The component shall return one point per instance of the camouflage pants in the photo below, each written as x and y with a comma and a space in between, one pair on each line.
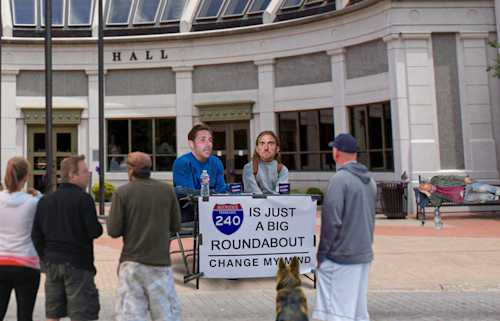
142, 288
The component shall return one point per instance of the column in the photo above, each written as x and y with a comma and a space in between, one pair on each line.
184, 105
340, 118
399, 104
188, 16
7, 19
8, 117
269, 15
265, 119
497, 15
93, 124
478, 110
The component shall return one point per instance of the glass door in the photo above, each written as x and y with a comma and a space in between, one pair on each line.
64, 144
231, 145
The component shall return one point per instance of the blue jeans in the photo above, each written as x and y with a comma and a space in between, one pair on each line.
477, 192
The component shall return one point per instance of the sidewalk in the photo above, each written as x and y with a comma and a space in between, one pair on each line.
419, 273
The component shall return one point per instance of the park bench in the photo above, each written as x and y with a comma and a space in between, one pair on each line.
423, 202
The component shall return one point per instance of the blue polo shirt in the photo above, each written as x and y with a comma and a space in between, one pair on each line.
187, 171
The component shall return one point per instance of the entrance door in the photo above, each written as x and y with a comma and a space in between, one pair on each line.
64, 144
232, 146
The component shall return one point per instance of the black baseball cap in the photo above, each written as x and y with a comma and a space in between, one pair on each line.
345, 143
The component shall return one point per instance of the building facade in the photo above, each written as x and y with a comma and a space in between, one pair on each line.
407, 78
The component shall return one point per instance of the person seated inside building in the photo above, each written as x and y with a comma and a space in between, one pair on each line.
265, 171
458, 189
187, 168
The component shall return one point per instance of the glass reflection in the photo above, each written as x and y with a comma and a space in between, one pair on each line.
146, 11
236, 7
173, 10
57, 12
210, 8
80, 12
259, 5
24, 12
119, 11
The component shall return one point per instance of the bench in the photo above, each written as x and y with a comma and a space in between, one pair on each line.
423, 202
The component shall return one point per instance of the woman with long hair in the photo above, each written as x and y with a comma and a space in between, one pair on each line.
19, 262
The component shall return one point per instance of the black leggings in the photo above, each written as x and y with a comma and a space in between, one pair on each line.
25, 282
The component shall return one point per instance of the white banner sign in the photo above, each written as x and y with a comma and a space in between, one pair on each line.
244, 237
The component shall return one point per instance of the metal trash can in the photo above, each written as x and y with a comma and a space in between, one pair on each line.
394, 199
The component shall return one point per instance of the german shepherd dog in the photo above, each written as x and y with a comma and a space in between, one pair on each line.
291, 302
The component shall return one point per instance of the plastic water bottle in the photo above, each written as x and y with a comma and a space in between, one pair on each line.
438, 223
205, 184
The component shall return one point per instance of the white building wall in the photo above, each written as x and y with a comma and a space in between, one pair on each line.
479, 143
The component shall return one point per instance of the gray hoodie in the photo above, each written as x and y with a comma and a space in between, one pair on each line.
348, 216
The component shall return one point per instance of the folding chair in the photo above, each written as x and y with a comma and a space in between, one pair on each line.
187, 230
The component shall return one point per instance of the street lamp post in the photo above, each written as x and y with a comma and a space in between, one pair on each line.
100, 58
48, 96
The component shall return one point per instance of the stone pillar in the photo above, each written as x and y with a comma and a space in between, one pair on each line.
93, 124
8, 118
7, 19
265, 119
400, 114
497, 17
188, 15
270, 13
184, 105
478, 110
340, 118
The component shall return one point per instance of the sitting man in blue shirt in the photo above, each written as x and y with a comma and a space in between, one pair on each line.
187, 168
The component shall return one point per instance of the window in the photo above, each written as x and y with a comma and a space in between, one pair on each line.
259, 6
236, 7
57, 12
79, 12
156, 137
304, 137
119, 12
210, 9
371, 126
24, 12
64, 12
173, 10
291, 4
147, 11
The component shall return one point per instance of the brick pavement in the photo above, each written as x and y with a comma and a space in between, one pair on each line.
419, 274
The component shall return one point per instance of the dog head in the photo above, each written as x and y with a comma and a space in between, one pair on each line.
288, 276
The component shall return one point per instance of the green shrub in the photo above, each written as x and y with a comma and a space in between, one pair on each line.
109, 189
316, 191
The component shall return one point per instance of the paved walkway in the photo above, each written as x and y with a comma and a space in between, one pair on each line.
419, 273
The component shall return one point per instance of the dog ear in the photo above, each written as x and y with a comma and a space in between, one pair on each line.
295, 265
281, 264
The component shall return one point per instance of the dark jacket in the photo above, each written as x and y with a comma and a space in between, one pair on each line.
65, 226
145, 212
348, 216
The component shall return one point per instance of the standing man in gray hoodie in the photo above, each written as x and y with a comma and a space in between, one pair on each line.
345, 248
